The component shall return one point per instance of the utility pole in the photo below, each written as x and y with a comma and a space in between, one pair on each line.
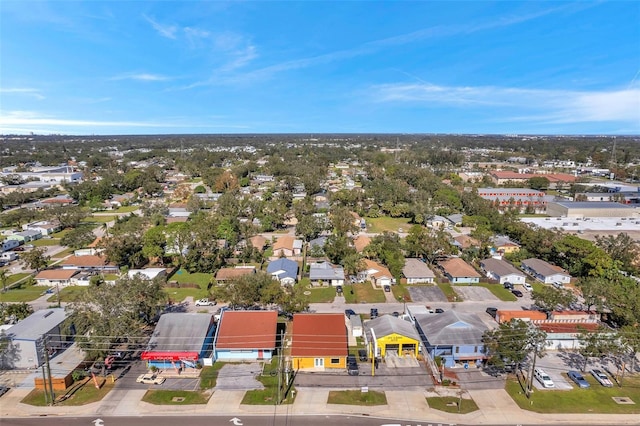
44, 385
280, 367
533, 366
46, 360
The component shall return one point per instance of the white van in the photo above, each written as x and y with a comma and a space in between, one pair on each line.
543, 378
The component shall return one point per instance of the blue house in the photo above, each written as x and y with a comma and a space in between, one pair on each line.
246, 336
284, 270
455, 337
458, 271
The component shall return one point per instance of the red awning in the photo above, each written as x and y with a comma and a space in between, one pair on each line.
169, 356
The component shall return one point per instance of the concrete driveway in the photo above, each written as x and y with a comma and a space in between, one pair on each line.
424, 294
239, 377
478, 294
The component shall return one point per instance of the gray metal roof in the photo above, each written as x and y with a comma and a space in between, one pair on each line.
180, 332
325, 271
388, 324
37, 324
452, 328
593, 205
543, 268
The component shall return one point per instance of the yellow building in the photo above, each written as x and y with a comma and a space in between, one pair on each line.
319, 342
387, 334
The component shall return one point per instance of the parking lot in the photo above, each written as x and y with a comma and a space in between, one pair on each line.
474, 293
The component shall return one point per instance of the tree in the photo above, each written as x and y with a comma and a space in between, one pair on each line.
540, 183
110, 314
342, 221
594, 344
623, 249
3, 279
511, 343
14, 311
78, 237
251, 289
154, 243
67, 216
35, 259
548, 298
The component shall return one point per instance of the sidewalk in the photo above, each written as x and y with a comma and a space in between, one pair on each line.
495, 408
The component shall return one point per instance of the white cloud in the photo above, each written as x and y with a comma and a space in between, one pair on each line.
541, 105
168, 31
24, 91
141, 77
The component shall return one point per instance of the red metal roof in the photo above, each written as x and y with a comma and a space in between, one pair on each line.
319, 335
247, 330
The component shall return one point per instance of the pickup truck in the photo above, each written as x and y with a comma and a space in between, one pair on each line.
205, 302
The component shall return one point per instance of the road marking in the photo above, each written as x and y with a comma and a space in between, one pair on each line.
236, 421
98, 422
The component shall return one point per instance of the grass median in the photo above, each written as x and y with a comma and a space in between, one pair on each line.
356, 397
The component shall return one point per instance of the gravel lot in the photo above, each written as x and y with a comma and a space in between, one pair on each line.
427, 294
239, 377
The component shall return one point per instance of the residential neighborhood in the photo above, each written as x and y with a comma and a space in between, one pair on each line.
345, 276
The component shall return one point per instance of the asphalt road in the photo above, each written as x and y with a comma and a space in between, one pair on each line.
216, 421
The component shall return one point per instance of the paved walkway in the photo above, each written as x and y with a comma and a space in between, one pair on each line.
410, 405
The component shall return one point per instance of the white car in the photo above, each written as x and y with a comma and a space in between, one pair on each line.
205, 302
527, 287
602, 378
150, 379
543, 378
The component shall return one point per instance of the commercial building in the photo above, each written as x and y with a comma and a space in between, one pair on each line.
585, 209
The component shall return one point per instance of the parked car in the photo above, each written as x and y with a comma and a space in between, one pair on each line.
349, 312
508, 285
527, 287
339, 289
439, 310
578, 379
3, 390
492, 311
602, 378
517, 293
558, 285
362, 355
205, 302
543, 378
150, 379
352, 366
387, 288
374, 313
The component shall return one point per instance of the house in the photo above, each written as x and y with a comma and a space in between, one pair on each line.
453, 336
284, 270
245, 336
354, 325
227, 274
457, 271
502, 244
25, 347
90, 263
319, 342
178, 210
10, 244
464, 242
325, 273
545, 272
389, 336
258, 242
60, 200
56, 277
45, 227
287, 246
438, 222
25, 236
377, 273
361, 242
148, 273
181, 340
318, 243
502, 271
416, 272
455, 219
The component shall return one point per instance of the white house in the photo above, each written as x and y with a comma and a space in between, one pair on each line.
502, 271
148, 273
545, 272
416, 272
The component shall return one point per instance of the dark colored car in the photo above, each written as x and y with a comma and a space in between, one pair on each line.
352, 366
339, 289
3, 390
516, 293
492, 311
362, 355
349, 312
508, 285
439, 310
387, 288
578, 379
374, 313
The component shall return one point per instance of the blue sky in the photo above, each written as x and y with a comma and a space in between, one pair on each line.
137, 67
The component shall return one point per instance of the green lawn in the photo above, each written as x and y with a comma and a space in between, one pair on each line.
63, 253
381, 224
596, 399
125, 209
363, 293
23, 293
178, 294
85, 394
321, 294
499, 291
99, 219
401, 293
448, 291
269, 395
356, 397
61, 233
68, 294
175, 397
449, 404
46, 242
